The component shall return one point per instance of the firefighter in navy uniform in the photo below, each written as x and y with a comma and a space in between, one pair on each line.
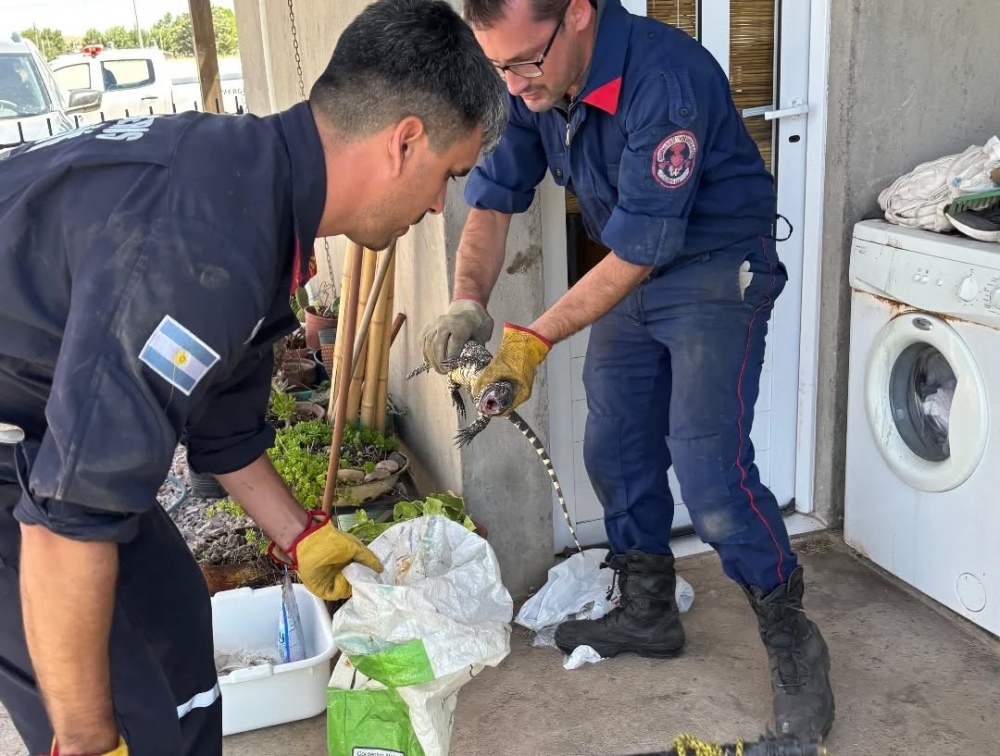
146, 269
636, 118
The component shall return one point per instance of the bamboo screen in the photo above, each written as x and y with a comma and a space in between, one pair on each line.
680, 13
751, 64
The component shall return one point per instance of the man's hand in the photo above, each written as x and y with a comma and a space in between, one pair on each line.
305, 541
67, 594
517, 358
320, 554
444, 337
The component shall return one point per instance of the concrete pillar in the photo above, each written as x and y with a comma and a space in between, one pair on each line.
499, 475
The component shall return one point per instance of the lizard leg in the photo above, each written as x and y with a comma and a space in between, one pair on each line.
456, 397
417, 371
466, 435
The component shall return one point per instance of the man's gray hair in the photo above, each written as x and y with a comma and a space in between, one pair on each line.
401, 58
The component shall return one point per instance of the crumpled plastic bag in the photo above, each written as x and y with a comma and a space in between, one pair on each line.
578, 588
432, 620
917, 199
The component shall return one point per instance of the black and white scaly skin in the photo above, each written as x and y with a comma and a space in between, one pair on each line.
493, 400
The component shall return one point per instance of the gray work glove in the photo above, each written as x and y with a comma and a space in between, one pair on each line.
444, 337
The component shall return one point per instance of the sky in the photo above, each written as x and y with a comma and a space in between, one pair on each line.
74, 17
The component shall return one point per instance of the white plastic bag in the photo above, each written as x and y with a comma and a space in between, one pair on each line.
578, 588
431, 621
918, 198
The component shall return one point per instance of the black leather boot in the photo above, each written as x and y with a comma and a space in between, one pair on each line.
646, 621
799, 661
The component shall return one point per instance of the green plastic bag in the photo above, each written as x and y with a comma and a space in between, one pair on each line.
369, 723
411, 636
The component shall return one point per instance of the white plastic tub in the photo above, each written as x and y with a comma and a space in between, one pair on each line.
267, 695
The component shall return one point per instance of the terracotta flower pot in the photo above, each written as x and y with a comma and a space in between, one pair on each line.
225, 577
299, 372
314, 324
310, 410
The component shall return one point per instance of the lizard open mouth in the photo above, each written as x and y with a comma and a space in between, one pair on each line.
490, 403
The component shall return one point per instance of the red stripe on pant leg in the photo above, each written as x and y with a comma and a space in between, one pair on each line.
739, 424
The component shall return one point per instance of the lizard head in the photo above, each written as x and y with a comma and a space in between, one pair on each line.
496, 398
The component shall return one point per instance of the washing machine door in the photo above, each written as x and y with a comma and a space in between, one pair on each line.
926, 402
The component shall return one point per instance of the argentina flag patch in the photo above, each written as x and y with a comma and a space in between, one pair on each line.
177, 355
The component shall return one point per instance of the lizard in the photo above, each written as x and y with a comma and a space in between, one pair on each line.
495, 399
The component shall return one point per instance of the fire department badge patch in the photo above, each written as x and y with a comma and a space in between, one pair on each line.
673, 160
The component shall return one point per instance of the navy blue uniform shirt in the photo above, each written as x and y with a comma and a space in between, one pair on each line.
652, 146
146, 267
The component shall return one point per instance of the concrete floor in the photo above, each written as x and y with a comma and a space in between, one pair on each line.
908, 679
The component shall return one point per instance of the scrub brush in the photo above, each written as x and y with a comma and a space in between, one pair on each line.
977, 215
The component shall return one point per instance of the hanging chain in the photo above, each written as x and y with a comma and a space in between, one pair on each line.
295, 45
302, 96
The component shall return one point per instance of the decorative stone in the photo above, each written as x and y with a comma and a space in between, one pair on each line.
398, 458
391, 466
377, 475
350, 476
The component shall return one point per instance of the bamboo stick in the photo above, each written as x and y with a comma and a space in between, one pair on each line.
380, 273
367, 279
397, 323
376, 339
389, 334
348, 324
338, 348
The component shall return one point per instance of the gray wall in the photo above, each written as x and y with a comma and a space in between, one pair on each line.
499, 475
910, 81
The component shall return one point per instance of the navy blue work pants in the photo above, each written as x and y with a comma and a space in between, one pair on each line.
672, 376
163, 679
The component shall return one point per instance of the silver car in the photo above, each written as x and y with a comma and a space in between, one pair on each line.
32, 106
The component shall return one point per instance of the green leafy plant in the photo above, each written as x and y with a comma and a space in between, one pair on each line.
281, 407
448, 505
300, 455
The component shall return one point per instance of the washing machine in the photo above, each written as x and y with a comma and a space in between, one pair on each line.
922, 496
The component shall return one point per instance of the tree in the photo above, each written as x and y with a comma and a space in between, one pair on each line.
50, 42
92, 37
224, 21
120, 38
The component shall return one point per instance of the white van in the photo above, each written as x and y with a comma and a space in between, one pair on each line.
32, 105
132, 82
140, 81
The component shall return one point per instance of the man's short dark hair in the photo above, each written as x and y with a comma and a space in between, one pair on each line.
483, 14
401, 58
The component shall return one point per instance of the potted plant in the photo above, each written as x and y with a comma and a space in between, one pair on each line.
321, 315
370, 465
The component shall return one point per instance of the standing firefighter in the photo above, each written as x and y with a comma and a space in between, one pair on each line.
636, 118
146, 267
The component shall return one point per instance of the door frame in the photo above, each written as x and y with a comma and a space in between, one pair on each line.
554, 266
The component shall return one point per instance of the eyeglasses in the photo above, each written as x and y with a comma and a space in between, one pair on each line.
532, 69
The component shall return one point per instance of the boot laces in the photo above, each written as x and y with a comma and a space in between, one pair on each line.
784, 637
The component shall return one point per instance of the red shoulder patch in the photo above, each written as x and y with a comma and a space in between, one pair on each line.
674, 158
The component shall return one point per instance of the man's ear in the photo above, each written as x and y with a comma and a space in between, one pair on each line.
402, 143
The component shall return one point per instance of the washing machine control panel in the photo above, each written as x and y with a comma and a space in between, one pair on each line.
931, 283
968, 288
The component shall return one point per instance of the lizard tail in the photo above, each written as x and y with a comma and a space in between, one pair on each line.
518, 422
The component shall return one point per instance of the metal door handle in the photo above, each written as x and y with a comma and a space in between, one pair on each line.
772, 114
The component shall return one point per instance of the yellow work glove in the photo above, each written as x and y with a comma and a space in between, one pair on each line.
517, 358
120, 750
320, 553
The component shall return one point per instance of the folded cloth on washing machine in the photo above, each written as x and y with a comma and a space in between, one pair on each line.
918, 198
